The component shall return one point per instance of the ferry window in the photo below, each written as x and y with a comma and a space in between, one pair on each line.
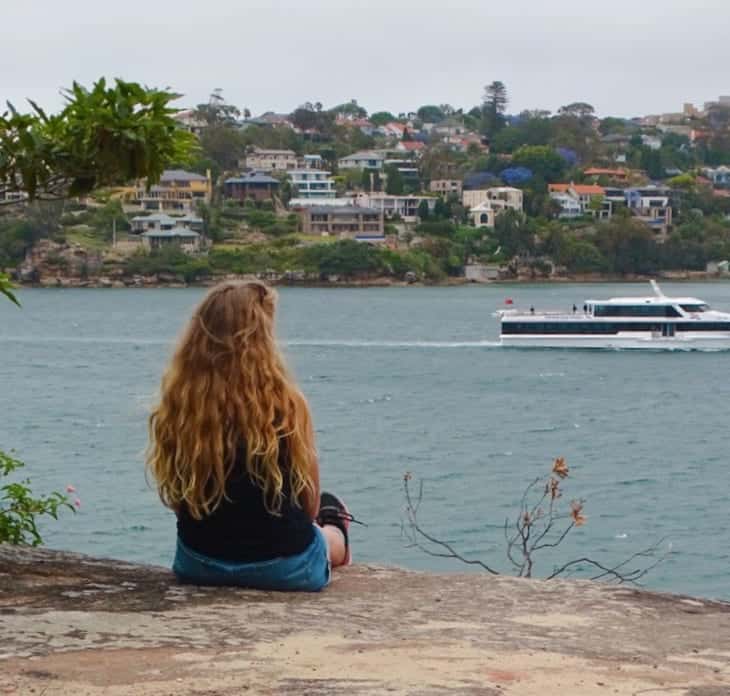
646, 310
694, 307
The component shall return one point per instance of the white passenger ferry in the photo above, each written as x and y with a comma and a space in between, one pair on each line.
657, 322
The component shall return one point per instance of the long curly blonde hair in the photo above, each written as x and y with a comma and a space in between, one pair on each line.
225, 388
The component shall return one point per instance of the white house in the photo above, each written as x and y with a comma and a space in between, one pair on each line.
570, 206
160, 221
406, 207
312, 183
367, 159
500, 198
483, 215
719, 176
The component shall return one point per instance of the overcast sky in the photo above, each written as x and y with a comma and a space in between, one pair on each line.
626, 57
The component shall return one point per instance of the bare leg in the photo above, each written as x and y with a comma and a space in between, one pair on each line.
335, 543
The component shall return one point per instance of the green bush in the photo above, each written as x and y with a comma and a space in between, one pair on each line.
169, 259
20, 510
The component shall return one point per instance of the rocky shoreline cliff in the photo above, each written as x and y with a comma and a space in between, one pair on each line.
72, 624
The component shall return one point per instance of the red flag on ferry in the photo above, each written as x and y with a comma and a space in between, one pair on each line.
508, 301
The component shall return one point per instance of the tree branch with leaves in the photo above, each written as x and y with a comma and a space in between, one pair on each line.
104, 136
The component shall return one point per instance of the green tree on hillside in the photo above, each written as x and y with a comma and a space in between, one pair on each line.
217, 112
542, 160
380, 118
430, 113
394, 182
494, 104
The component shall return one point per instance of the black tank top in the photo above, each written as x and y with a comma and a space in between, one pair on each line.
240, 529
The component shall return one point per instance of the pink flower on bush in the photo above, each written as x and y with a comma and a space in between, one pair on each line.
70, 489
77, 503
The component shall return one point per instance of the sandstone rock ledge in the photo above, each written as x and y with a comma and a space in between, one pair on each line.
71, 624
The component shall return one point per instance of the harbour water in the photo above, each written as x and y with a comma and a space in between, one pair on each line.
399, 379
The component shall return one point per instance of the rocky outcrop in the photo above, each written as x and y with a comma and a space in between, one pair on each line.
71, 624
48, 261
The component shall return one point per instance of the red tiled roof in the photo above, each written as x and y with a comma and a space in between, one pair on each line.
558, 188
580, 189
598, 171
588, 189
411, 145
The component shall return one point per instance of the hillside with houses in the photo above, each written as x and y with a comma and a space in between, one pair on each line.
440, 194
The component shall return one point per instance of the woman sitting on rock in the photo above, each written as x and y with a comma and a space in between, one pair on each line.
232, 451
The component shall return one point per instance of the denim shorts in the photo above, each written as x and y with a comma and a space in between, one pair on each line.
308, 571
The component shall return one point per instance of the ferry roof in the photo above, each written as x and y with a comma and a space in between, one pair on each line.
653, 300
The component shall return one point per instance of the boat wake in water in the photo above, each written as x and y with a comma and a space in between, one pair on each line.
389, 344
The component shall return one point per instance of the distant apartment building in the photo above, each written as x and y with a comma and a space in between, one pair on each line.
344, 222
263, 160
391, 206
312, 183
177, 191
446, 187
367, 159
251, 186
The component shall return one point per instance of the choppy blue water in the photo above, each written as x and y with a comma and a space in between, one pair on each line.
404, 379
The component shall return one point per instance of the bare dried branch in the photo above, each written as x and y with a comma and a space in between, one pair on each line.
534, 529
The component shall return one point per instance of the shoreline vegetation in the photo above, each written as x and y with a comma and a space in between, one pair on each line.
378, 282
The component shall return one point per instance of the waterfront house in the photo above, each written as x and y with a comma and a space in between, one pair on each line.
158, 222
651, 205
177, 191
570, 206
263, 160
181, 237
391, 206
572, 196
312, 183
344, 222
366, 159
254, 186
